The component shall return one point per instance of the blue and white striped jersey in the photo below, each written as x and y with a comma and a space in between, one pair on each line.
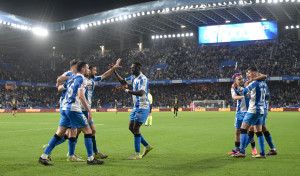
71, 101
63, 93
257, 91
89, 92
242, 104
139, 83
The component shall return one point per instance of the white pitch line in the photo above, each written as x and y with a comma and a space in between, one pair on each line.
99, 124
28, 130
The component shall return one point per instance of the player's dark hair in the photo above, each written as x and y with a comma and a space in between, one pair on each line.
253, 69
73, 62
92, 66
138, 64
80, 65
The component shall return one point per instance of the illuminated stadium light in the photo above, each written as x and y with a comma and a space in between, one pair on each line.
148, 13
153, 12
129, 16
177, 8
157, 37
230, 3
107, 21
186, 7
167, 10
143, 13
138, 14
219, 4
292, 0
227, 21
275, 1
18, 26
112, 20
196, 6
125, 17
153, 37
40, 31
169, 35
182, 8
224, 3
178, 35
99, 22
165, 36
120, 18
234, 2
78, 28
214, 4
134, 15
191, 34
158, 11
269, 1
117, 19
257, 1
94, 23
103, 22
187, 34
286, 27
182, 35
280, 0
263, 1
241, 2
292, 27
90, 25
263, 19
8, 23
182, 26
297, 26
173, 35
160, 36
173, 9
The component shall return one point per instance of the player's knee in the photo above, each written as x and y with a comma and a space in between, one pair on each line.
251, 134
266, 133
243, 131
130, 128
57, 136
258, 134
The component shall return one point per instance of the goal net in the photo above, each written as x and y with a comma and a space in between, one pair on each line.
209, 104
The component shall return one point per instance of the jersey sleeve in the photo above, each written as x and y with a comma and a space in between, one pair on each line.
233, 93
143, 84
129, 80
81, 83
251, 86
97, 79
67, 73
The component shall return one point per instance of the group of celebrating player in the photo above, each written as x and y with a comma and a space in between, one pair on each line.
252, 108
77, 87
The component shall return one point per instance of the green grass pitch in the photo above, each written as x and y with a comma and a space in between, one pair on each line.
196, 143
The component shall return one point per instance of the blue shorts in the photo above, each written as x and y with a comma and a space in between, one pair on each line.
86, 115
64, 120
253, 118
265, 116
139, 115
77, 119
239, 117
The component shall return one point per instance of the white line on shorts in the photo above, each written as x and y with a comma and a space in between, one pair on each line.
28, 130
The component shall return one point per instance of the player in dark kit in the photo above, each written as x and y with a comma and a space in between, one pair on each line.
175, 107
14, 104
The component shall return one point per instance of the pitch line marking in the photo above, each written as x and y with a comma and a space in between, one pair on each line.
28, 130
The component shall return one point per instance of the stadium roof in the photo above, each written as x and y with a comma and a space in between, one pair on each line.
134, 22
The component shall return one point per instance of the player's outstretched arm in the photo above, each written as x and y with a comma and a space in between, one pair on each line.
83, 101
61, 88
120, 79
132, 92
236, 97
260, 77
61, 79
112, 69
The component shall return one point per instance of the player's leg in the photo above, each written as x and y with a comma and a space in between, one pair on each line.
269, 140
58, 135
260, 137
79, 121
251, 140
237, 124
150, 119
95, 148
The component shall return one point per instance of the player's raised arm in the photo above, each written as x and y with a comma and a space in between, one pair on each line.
120, 79
112, 69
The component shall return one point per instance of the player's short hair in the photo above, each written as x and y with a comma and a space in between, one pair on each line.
92, 66
80, 65
253, 69
138, 64
236, 75
73, 62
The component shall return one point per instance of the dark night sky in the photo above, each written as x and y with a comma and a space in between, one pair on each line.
60, 10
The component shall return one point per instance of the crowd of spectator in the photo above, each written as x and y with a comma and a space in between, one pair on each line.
283, 94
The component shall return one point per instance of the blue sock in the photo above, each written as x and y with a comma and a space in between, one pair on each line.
72, 144
95, 149
244, 137
88, 144
143, 141
261, 142
269, 139
137, 143
51, 144
62, 140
